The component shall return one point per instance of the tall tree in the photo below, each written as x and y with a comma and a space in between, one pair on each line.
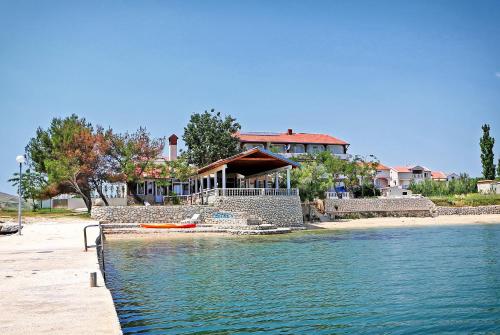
210, 137
132, 155
67, 152
498, 168
487, 159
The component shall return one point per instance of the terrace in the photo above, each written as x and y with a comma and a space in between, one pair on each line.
254, 172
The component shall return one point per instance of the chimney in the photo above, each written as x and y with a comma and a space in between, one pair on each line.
172, 147
290, 131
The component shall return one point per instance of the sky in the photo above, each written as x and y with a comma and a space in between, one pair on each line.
408, 81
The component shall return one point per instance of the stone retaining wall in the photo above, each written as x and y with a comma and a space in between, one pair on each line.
494, 209
282, 211
381, 207
149, 214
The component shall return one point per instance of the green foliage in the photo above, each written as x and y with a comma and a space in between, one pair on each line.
210, 137
32, 185
487, 159
312, 180
498, 168
133, 154
66, 152
462, 185
473, 199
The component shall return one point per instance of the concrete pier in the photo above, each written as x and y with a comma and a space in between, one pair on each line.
44, 282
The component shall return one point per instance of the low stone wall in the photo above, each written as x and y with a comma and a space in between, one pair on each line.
150, 214
282, 211
381, 207
479, 210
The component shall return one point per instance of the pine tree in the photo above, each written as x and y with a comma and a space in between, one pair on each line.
486, 143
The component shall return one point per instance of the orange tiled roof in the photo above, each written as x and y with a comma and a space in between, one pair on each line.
290, 138
438, 175
401, 169
382, 167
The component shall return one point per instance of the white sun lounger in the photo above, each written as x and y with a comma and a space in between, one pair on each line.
194, 219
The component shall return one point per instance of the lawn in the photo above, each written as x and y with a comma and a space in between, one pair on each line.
45, 212
472, 199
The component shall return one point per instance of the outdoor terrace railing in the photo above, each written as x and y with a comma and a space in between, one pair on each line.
246, 192
337, 195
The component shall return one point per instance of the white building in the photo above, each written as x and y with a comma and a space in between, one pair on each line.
488, 186
402, 176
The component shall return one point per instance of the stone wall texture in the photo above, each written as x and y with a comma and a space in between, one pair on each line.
149, 214
494, 209
381, 207
282, 211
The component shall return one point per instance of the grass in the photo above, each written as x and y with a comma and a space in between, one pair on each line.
472, 199
45, 212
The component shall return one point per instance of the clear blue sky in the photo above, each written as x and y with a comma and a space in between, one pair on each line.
408, 81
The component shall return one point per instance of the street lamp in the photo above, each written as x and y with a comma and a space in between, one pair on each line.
20, 159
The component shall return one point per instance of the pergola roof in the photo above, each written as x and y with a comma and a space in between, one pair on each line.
250, 162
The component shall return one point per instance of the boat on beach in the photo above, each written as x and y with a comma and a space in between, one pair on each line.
169, 225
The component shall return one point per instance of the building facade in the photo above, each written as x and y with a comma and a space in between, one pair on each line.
292, 144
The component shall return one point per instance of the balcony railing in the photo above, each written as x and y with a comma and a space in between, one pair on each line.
337, 195
245, 192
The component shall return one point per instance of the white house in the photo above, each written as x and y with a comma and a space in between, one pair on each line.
488, 186
402, 176
382, 177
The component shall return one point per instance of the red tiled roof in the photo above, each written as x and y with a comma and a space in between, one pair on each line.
438, 175
381, 166
287, 138
401, 169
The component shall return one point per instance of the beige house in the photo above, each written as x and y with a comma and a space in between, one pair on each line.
291, 144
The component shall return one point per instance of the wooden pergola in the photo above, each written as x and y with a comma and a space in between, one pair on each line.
248, 169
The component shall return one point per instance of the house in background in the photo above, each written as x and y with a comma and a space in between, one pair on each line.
452, 176
488, 186
155, 185
292, 144
439, 176
382, 177
402, 176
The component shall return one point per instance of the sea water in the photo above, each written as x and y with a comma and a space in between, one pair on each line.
393, 280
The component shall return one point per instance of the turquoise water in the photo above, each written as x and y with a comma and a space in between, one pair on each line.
394, 281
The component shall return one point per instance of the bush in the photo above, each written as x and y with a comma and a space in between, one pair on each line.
462, 185
473, 199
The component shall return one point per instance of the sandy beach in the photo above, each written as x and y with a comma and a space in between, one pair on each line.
394, 222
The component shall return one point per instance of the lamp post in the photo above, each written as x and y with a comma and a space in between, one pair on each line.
20, 159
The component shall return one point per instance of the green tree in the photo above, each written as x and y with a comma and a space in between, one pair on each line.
312, 180
67, 152
498, 168
132, 155
209, 137
487, 159
33, 185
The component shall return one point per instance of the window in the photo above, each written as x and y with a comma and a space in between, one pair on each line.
140, 188
150, 187
278, 147
336, 149
315, 148
297, 148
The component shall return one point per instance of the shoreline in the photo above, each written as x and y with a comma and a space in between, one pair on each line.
401, 222
367, 223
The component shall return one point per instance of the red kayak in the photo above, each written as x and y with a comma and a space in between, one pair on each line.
169, 225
